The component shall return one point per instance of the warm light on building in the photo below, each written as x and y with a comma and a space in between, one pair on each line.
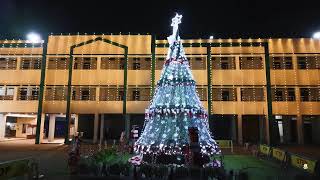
233, 86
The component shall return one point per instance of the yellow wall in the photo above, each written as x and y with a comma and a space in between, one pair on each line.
137, 44
140, 46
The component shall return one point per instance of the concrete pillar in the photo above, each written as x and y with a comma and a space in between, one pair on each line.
97, 93
3, 120
95, 127
267, 127
52, 125
18, 62
300, 129
43, 116
300, 134
234, 128
76, 124
266, 122
239, 111
102, 129
15, 93
262, 133
240, 137
99, 62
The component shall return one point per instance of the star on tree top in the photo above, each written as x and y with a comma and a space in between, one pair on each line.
176, 20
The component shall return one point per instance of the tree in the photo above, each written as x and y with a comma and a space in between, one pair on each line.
175, 107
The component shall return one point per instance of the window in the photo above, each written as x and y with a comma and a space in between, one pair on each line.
283, 94
223, 62
34, 93
159, 63
281, 62
251, 62
84, 93
24, 128
308, 62
57, 93
120, 95
310, 94
252, 94
58, 63
224, 94
110, 63
74, 94
122, 63
138, 63
28, 93
202, 92
30, 63
25, 64
8, 63
136, 66
85, 63
136, 95
278, 95
6, 93
197, 63
23, 94
110, 93
291, 94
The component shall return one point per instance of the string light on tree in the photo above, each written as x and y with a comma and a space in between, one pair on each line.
175, 107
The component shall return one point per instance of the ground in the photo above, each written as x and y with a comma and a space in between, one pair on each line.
53, 160
259, 168
51, 157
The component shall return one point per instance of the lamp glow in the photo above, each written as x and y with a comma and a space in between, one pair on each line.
33, 38
316, 35
211, 37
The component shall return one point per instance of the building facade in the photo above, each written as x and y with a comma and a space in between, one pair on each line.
255, 90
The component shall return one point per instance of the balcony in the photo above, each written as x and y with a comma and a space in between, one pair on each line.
20, 76
238, 77
19, 106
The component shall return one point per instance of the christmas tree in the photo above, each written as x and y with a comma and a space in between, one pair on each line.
175, 107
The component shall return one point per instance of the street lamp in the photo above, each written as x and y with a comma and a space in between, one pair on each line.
211, 37
316, 35
33, 37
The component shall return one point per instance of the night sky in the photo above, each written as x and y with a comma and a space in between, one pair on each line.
223, 19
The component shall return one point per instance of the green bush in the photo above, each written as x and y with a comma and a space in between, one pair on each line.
110, 157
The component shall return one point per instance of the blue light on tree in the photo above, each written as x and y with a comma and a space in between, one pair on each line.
175, 107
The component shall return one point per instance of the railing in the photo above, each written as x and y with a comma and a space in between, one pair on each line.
225, 144
287, 158
7, 97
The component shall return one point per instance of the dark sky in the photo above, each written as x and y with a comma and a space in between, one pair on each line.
223, 18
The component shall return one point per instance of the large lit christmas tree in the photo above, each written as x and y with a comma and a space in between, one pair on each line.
175, 107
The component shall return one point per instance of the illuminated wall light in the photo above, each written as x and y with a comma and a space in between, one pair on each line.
33, 37
316, 35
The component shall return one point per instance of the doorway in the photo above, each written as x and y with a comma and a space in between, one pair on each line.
251, 128
224, 126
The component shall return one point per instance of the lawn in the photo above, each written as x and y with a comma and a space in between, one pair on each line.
258, 168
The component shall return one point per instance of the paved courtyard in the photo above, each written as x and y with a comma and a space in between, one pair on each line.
52, 158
